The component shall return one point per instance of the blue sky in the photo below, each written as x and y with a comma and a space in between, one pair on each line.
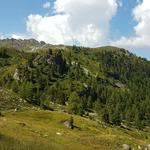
123, 22
25, 18
13, 14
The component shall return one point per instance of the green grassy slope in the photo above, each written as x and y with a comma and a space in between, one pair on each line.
35, 129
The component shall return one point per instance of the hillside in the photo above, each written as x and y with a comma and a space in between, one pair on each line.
106, 85
9, 100
35, 129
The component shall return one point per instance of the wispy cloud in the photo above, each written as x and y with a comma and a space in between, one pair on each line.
47, 5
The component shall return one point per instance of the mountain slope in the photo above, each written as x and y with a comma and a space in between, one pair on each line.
108, 87
108, 80
36, 129
9, 100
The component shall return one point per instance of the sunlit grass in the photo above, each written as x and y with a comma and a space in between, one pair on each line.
37, 130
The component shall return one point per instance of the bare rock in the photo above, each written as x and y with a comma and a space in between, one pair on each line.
126, 147
147, 147
139, 147
68, 123
16, 75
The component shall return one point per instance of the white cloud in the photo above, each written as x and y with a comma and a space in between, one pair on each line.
141, 14
1, 37
75, 21
47, 5
19, 36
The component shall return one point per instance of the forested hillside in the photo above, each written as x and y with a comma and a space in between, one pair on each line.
110, 81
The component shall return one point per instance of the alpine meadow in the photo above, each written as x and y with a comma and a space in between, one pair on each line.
77, 78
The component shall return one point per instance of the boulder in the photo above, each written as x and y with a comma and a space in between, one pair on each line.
68, 123
45, 107
17, 109
147, 147
16, 75
139, 147
126, 147
58, 133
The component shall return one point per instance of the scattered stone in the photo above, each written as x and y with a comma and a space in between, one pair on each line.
126, 147
24, 101
17, 109
45, 107
58, 133
147, 147
16, 75
33, 108
139, 147
45, 135
66, 103
120, 85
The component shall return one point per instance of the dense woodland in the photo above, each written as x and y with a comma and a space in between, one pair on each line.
108, 80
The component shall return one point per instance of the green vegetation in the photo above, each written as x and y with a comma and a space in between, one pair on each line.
108, 85
109, 80
36, 129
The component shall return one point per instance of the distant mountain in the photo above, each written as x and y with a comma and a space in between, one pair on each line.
28, 45
109, 80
